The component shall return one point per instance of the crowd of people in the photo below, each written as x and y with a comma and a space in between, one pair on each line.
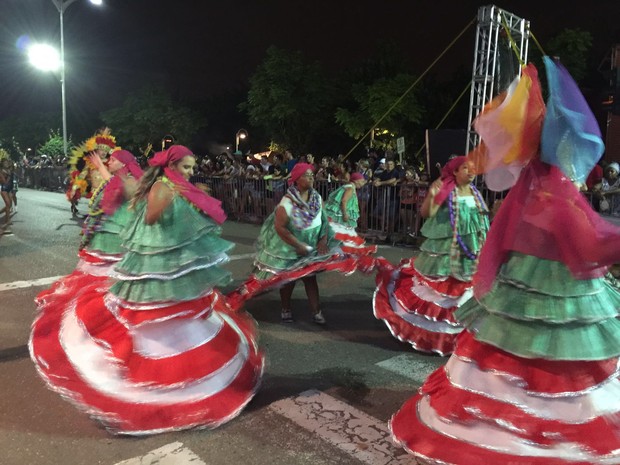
142, 338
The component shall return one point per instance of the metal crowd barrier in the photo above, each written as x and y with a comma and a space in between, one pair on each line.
45, 178
382, 215
385, 215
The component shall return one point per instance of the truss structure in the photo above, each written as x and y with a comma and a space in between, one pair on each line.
495, 61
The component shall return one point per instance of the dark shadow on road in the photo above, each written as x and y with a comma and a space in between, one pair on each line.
14, 353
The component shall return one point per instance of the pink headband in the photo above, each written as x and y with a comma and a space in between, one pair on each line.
298, 170
356, 176
448, 179
170, 155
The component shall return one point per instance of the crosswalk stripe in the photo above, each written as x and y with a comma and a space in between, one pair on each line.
170, 454
411, 367
354, 432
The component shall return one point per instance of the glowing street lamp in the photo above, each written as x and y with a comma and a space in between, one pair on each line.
241, 134
44, 57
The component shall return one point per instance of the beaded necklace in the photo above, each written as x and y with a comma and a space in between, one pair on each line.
303, 213
453, 206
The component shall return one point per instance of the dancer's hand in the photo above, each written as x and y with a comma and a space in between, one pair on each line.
303, 249
321, 247
435, 187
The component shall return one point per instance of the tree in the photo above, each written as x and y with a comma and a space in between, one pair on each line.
147, 115
572, 46
289, 99
54, 147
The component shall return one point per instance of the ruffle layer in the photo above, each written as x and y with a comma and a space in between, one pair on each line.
179, 225
428, 325
188, 286
536, 374
546, 276
209, 351
266, 280
489, 406
470, 223
86, 372
349, 241
521, 304
437, 265
567, 341
437, 441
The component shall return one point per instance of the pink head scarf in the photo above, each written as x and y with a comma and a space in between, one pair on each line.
298, 171
356, 176
448, 178
195, 196
113, 195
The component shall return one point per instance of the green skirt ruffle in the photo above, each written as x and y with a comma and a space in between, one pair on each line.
171, 288
108, 239
536, 308
156, 267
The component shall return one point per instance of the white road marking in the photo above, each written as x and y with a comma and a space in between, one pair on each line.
170, 454
411, 367
354, 432
31, 283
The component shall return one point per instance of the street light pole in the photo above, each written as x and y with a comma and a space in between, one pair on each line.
61, 6
241, 134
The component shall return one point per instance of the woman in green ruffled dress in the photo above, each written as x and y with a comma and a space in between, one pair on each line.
161, 350
293, 239
418, 299
343, 211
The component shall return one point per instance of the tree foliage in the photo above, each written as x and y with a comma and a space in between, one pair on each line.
572, 46
289, 99
54, 146
147, 115
379, 102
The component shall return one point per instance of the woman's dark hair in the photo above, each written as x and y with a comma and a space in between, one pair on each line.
146, 182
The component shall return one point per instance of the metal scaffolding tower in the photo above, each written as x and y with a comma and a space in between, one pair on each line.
495, 61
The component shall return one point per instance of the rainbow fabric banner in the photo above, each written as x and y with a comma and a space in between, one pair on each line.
571, 137
510, 127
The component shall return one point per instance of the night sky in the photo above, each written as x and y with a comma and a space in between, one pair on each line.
203, 48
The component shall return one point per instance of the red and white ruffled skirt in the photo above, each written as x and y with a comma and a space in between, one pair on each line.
418, 309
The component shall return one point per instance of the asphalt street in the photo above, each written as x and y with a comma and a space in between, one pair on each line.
326, 397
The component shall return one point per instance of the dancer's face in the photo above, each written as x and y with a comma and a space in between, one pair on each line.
465, 174
185, 166
306, 180
114, 165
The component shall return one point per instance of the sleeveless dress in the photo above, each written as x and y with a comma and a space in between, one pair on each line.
417, 300
161, 350
344, 231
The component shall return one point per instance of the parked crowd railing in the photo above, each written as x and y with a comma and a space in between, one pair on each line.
387, 213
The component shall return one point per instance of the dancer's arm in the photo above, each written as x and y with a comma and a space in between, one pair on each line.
280, 223
429, 207
97, 163
160, 196
343, 203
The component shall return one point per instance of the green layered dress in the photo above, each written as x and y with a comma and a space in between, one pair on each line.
175, 259
334, 209
439, 254
537, 309
274, 256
